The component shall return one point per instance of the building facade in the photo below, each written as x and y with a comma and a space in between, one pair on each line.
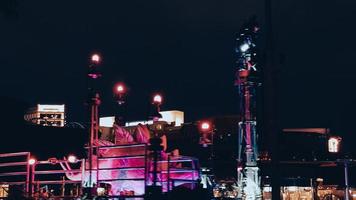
46, 115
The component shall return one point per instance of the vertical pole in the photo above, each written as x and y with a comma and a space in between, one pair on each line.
28, 172
146, 175
96, 135
32, 180
155, 152
155, 159
168, 173
29, 194
346, 174
94, 102
91, 140
212, 151
83, 167
38, 187
63, 186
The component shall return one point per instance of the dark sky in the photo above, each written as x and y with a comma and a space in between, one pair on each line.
184, 49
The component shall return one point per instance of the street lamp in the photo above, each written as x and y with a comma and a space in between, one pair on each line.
95, 61
120, 92
31, 174
157, 102
72, 159
206, 128
32, 161
154, 191
94, 102
120, 89
95, 58
157, 99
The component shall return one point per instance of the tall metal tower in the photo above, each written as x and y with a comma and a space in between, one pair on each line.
247, 82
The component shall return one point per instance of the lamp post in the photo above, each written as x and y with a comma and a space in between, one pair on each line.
120, 92
32, 164
94, 102
156, 141
154, 192
206, 128
157, 101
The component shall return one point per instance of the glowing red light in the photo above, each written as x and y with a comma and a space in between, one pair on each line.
95, 58
32, 161
205, 126
157, 99
120, 88
72, 159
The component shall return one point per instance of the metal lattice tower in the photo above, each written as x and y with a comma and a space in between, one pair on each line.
247, 82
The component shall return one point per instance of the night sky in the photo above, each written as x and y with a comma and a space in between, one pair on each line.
184, 49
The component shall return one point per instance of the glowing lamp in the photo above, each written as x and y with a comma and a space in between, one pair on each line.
205, 126
157, 99
95, 58
32, 161
72, 159
120, 89
334, 144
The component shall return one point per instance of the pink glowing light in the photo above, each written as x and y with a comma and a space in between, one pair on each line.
120, 88
95, 58
205, 126
72, 159
157, 99
32, 161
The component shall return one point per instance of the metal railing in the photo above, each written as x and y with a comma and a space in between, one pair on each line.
115, 164
176, 164
177, 170
21, 176
49, 175
124, 164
